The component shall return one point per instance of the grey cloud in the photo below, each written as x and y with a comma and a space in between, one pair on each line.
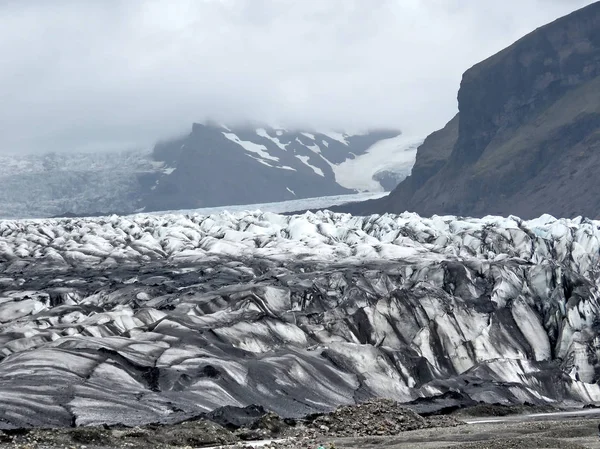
114, 74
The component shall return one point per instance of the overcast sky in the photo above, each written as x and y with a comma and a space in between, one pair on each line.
112, 74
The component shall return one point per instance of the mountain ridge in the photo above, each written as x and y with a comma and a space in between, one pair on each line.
212, 166
268, 164
528, 132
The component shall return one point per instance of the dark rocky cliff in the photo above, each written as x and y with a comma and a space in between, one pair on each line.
527, 137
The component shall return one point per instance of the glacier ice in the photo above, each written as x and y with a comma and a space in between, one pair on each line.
156, 318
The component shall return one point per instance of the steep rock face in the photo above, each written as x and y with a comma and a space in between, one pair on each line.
528, 131
500, 94
434, 152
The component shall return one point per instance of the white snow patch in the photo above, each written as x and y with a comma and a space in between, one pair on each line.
262, 161
314, 148
305, 159
396, 154
263, 133
251, 147
291, 191
310, 136
336, 136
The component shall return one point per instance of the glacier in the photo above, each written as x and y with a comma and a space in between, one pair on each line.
161, 317
49, 184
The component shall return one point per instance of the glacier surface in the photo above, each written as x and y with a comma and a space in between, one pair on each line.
41, 185
157, 318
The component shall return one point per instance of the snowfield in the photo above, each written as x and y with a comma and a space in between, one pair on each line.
156, 318
395, 155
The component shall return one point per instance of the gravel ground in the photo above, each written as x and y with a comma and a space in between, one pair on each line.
563, 433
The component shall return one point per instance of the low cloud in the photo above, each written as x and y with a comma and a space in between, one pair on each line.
121, 74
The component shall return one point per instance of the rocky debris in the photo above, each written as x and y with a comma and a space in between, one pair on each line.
268, 426
560, 432
517, 443
459, 404
233, 418
380, 417
197, 433
441, 404
376, 417
493, 410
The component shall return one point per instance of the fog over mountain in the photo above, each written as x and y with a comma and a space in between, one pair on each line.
120, 75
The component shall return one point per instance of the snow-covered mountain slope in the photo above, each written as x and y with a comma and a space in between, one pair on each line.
154, 318
218, 165
381, 168
213, 166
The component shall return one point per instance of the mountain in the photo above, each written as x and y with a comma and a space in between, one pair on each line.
213, 166
526, 140
163, 317
216, 165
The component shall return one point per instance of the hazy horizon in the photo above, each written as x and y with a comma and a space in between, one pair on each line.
117, 75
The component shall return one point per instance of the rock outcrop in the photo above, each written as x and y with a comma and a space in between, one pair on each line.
527, 137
